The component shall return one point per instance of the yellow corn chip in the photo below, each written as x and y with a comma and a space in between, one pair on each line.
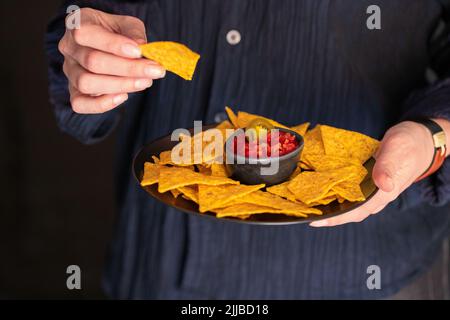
310, 187
273, 201
151, 174
219, 170
165, 158
328, 162
340, 199
155, 159
350, 191
190, 192
360, 174
301, 128
282, 191
296, 172
304, 165
205, 147
176, 177
348, 144
225, 125
244, 119
232, 116
324, 201
211, 197
175, 192
238, 210
174, 57
313, 143
204, 169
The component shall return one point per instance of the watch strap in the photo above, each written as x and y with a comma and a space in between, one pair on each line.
440, 148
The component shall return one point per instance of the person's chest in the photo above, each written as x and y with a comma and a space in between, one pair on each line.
294, 60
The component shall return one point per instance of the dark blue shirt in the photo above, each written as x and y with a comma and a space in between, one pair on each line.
297, 61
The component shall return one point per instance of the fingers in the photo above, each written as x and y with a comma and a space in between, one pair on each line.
115, 34
382, 179
85, 104
374, 205
95, 84
396, 164
385, 168
104, 63
98, 37
405, 152
131, 27
356, 216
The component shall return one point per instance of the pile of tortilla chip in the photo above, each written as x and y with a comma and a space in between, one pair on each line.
330, 169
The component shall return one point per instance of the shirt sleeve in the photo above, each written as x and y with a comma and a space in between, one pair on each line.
434, 102
88, 129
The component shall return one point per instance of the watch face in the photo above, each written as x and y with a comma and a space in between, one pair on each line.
439, 140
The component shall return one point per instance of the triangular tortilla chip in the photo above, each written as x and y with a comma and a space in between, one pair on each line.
321, 162
225, 125
173, 56
190, 192
232, 116
203, 148
348, 144
310, 187
349, 190
296, 172
313, 143
204, 169
244, 119
219, 170
176, 177
243, 209
282, 191
211, 197
285, 206
301, 128
151, 174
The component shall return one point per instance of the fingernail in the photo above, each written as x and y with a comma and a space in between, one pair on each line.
120, 99
141, 41
155, 72
142, 83
131, 51
320, 223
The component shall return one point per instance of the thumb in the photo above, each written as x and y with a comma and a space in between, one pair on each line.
132, 28
385, 167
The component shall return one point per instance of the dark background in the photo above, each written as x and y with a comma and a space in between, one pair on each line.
53, 213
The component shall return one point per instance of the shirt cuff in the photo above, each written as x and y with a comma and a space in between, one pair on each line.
432, 102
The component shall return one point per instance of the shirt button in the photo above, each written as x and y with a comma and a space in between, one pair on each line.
219, 117
233, 37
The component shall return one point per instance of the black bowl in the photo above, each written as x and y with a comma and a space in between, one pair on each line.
262, 170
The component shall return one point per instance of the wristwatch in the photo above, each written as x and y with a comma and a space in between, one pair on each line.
440, 148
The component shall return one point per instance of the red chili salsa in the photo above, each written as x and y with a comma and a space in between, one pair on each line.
287, 143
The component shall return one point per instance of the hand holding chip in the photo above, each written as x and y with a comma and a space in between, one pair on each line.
102, 61
405, 153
